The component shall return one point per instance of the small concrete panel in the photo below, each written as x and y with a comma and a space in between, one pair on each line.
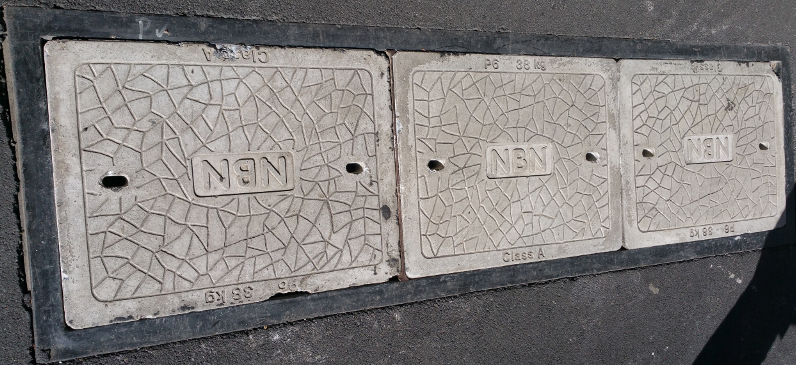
505, 159
702, 150
191, 177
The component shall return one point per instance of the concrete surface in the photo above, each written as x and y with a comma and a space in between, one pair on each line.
675, 193
731, 309
464, 111
175, 247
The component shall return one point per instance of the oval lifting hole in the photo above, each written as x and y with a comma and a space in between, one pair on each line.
648, 152
435, 165
114, 182
354, 168
592, 156
763, 146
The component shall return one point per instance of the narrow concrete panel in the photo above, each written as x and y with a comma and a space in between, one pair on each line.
505, 160
191, 177
702, 150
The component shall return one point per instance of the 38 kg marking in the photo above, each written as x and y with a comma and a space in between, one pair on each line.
234, 295
708, 231
523, 64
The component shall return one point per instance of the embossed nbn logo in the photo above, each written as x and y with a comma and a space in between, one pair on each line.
518, 160
709, 148
242, 173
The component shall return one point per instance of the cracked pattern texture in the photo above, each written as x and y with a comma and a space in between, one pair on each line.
458, 114
669, 108
156, 236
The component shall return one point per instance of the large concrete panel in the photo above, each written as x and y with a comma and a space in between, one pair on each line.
191, 177
505, 159
703, 150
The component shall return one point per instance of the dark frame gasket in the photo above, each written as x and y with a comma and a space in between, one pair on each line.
29, 28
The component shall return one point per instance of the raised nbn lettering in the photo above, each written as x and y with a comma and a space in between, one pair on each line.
503, 161
709, 148
242, 173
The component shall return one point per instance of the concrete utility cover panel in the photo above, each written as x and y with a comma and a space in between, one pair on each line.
505, 159
190, 177
703, 151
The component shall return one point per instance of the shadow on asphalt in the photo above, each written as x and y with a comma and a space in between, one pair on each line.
763, 312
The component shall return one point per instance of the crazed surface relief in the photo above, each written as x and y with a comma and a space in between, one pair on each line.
458, 115
667, 110
148, 120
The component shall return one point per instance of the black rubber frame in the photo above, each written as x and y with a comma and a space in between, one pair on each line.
29, 28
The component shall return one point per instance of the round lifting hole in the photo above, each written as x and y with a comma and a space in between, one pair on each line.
648, 152
763, 146
435, 165
592, 156
354, 168
114, 182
